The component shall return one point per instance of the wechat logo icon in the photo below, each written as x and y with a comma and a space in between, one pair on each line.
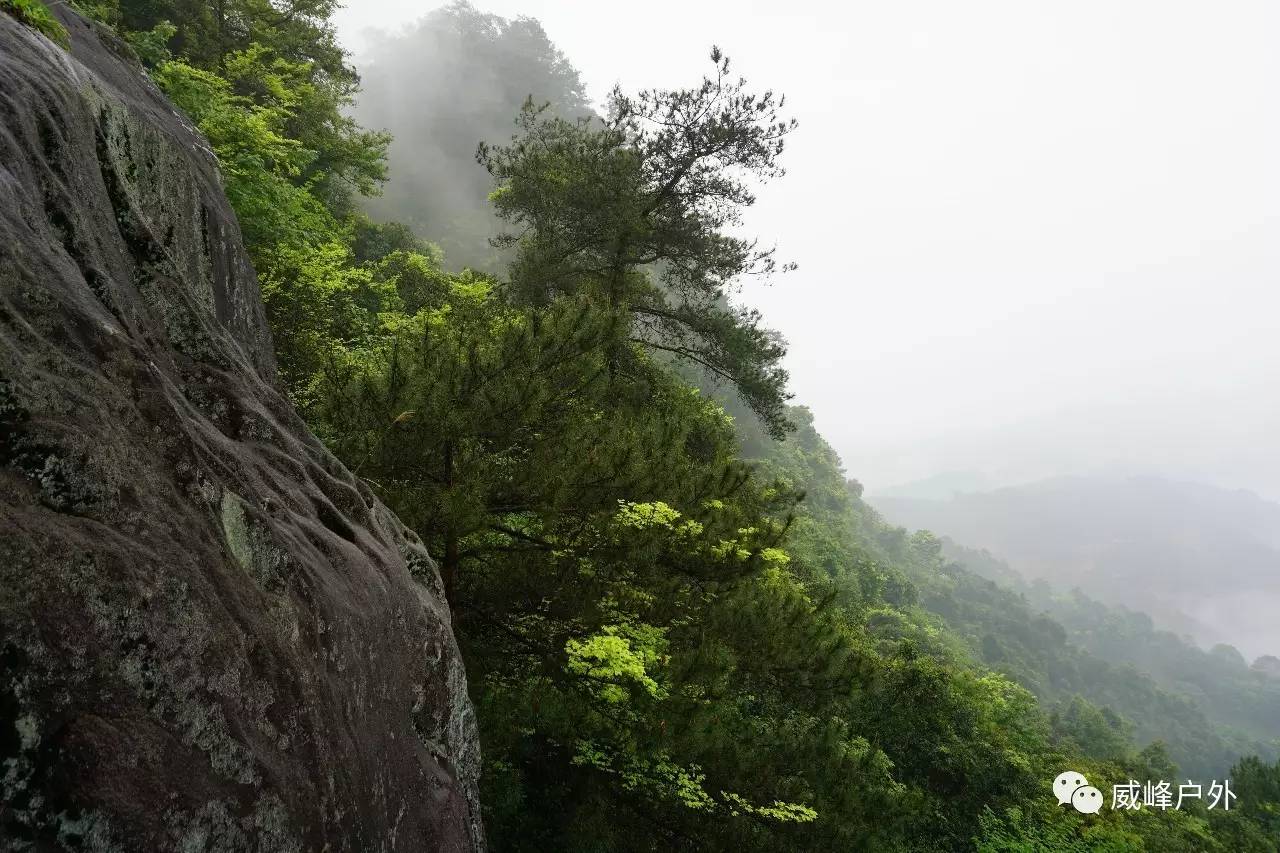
1071, 787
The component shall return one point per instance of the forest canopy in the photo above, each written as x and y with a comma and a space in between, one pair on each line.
683, 628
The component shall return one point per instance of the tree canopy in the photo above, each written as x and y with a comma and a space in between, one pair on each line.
683, 627
637, 211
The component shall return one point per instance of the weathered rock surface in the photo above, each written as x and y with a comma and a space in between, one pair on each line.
212, 636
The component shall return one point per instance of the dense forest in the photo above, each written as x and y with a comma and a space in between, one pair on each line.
1208, 706
1196, 558
683, 628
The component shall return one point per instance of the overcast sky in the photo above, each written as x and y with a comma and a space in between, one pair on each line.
1034, 238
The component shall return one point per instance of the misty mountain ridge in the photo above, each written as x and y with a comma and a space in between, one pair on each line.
1202, 560
942, 486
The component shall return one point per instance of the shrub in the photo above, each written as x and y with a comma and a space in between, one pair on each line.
36, 15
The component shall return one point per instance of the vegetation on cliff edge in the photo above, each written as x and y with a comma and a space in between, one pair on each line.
683, 629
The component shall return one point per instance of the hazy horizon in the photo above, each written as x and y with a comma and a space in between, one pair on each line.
1032, 241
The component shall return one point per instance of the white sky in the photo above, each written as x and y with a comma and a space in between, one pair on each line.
1034, 238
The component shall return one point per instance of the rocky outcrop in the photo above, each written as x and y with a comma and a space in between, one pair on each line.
212, 636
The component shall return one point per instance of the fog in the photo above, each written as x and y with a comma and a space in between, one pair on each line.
441, 85
1034, 239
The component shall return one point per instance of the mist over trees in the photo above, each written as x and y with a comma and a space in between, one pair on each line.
452, 80
1204, 561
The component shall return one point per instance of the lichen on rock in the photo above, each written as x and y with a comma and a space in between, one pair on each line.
211, 636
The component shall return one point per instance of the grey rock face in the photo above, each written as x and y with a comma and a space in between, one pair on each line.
212, 636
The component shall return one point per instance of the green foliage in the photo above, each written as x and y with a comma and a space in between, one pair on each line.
259, 161
670, 647
36, 14
282, 55
638, 211
269, 86
1096, 732
104, 11
1259, 787
963, 623
152, 46
1242, 703
1208, 708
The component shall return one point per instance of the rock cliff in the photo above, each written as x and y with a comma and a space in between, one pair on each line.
212, 636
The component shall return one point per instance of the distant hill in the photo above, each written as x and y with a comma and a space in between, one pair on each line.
939, 486
1203, 561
